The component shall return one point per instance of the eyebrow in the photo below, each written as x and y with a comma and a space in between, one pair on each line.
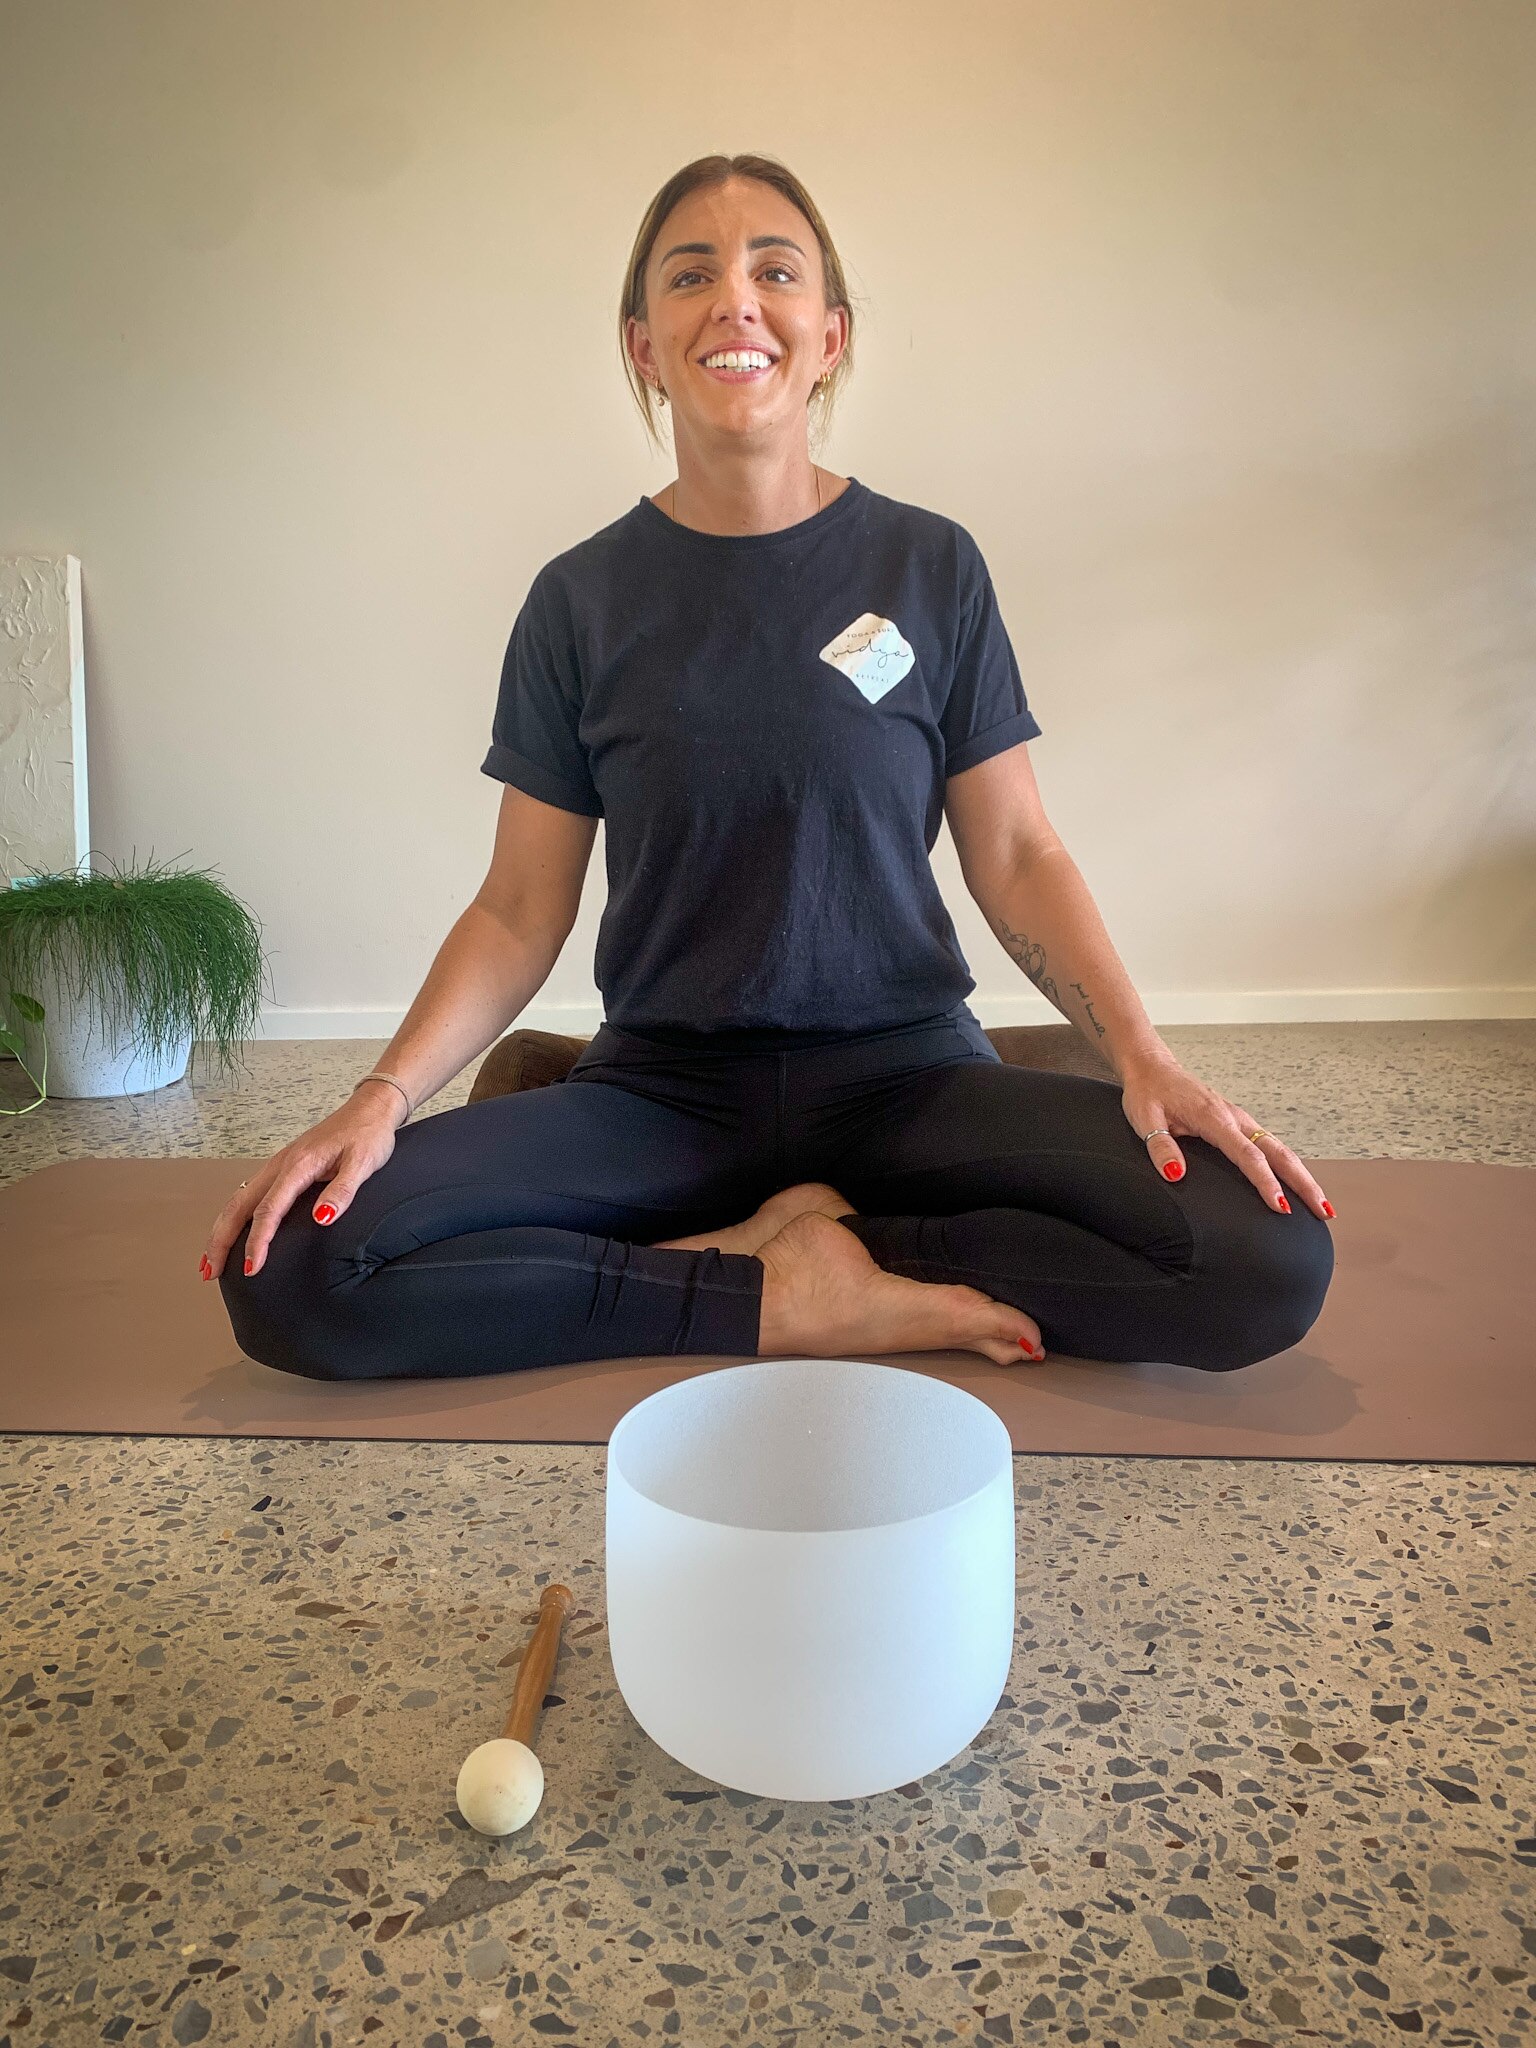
708, 248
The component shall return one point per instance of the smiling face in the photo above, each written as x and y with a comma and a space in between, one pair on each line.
735, 268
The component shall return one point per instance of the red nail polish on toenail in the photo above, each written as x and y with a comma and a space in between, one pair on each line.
1173, 1170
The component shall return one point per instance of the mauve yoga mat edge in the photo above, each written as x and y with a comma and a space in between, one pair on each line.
1396, 1370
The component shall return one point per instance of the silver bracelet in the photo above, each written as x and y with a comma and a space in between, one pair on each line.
393, 1084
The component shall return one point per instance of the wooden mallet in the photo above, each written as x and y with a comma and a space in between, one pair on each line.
501, 1783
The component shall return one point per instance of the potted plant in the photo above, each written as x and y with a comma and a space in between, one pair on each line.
114, 976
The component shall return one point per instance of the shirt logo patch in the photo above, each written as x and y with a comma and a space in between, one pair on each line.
871, 653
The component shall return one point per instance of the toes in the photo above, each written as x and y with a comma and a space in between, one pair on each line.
1013, 1352
1006, 1323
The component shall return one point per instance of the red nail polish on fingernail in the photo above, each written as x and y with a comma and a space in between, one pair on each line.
1285, 1205
247, 1265
1028, 1353
1328, 1208
1173, 1170
326, 1213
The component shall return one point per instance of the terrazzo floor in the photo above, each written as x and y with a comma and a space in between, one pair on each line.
1260, 1773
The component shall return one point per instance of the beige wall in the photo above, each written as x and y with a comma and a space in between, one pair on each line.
1213, 322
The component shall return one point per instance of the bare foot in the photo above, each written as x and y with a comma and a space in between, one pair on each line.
803, 1198
824, 1294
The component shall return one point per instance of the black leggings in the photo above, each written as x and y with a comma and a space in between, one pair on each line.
521, 1230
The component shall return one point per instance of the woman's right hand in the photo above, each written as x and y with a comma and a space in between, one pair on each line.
350, 1144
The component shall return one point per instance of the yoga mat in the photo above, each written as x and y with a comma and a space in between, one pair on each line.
1424, 1350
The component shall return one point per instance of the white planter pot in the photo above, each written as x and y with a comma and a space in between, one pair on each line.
82, 1060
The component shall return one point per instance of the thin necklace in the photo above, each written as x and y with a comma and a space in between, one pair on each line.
672, 494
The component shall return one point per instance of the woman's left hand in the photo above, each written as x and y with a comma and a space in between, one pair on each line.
1161, 1095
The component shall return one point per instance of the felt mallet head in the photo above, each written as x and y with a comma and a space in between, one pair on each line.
500, 1786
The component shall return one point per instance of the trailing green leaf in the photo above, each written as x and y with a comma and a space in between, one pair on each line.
25, 1006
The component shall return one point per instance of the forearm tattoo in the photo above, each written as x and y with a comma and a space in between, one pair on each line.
1031, 957
1088, 1009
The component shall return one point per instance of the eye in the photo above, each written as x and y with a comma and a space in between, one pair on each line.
782, 268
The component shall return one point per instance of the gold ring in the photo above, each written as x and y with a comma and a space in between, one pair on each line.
1254, 1136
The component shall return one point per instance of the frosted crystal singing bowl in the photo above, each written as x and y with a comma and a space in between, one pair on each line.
811, 1573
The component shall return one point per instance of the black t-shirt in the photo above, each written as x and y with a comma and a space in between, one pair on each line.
765, 722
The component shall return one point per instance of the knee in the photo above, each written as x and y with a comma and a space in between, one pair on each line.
1268, 1291
283, 1315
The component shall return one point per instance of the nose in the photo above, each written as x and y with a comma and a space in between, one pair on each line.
736, 297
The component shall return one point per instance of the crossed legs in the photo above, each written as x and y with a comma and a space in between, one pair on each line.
977, 1203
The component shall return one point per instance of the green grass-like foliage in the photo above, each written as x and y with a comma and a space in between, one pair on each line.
165, 953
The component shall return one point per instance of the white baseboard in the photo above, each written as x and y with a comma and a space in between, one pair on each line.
1238, 1006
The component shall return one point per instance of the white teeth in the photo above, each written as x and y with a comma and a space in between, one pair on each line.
737, 359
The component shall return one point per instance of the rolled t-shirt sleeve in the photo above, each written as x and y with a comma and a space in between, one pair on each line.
986, 710
535, 740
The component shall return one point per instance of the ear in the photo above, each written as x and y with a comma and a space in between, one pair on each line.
836, 337
638, 341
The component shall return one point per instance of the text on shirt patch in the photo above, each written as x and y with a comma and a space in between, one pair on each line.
871, 653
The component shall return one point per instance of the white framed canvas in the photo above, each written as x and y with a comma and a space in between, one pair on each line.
44, 811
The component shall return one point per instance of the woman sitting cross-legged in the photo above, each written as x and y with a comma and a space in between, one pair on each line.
791, 1134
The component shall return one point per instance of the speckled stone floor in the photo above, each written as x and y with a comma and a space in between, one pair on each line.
1260, 1773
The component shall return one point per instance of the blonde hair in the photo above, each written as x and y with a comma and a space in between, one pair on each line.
707, 171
